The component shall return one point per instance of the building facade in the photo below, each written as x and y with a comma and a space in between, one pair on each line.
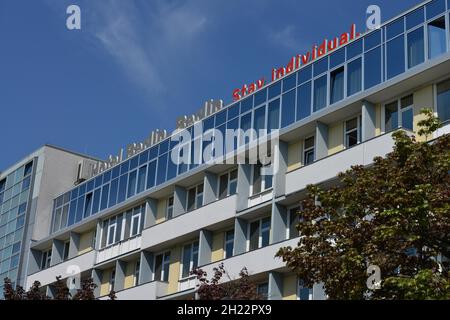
140, 227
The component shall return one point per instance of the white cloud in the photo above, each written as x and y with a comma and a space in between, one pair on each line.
285, 37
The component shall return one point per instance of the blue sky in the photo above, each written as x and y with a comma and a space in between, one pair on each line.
138, 64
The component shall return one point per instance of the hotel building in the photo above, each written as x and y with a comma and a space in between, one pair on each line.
139, 227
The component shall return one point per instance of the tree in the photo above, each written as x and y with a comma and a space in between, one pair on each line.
394, 214
235, 289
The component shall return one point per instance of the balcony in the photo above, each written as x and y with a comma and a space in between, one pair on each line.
329, 167
147, 291
187, 283
260, 198
65, 269
211, 214
119, 249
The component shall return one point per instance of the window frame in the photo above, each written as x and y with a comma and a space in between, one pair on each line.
357, 129
305, 150
164, 262
197, 194
169, 207
191, 258
400, 112
229, 182
46, 259
300, 286
260, 232
263, 181
226, 242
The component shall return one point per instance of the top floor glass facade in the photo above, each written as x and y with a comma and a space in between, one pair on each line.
400, 45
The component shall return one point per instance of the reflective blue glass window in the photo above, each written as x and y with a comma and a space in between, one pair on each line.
354, 77
132, 179
171, 168
164, 146
221, 118
153, 153
337, 58
72, 212
113, 192
134, 162
222, 130
391, 118
437, 43
90, 185
260, 119
25, 183
247, 104
98, 181
141, 179
107, 177
260, 97
372, 40
372, 68
320, 93
354, 49
288, 109
74, 194
196, 147
96, 201
233, 111
337, 85
289, 82
443, 100
395, 28
304, 101
305, 74
162, 167
105, 193
87, 205
435, 8
275, 90
416, 47
208, 124
151, 174
143, 157
80, 207
415, 18
246, 122
320, 66
274, 115
124, 167
122, 188
395, 53
82, 189
115, 172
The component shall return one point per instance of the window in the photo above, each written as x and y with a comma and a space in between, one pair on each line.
46, 259
259, 234
190, 259
137, 271
437, 43
111, 236
320, 93
229, 244
66, 250
195, 198
304, 101
337, 85
27, 169
261, 182
354, 77
228, 184
399, 114
443, 100
112, 280
294, 220
351, 132
304, 293
308, 151
416, 48
262, 290
288, 109
169, 208
162, 264
372, 68
135, 222
87, 205
395, 53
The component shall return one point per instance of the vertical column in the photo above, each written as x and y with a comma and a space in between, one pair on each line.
278, 223
321, 140
119, 281
240, 236
74, 244
151, 209
98, 235
205, 247
210, 188
280, 159
34, 264
97, 279
244, 181
146, 267
179, 201
275, 286
368, 119
57, 252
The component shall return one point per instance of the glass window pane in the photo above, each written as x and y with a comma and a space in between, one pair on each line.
391, 116
254, 235
113, 192
223, 186
246, 104
233, 111
162, 166
434, 8
289, 83
372, 40
96, 201
354, 77
260, 97
274, 115
221, 118
132, 184
337, 58
320, 67
105, 192
305, 74
141, 179
246, 122
395, 57
122, 188
407, 119
320, 93
436, 38
304, 101
260, 120
275, 90
416, 48
443, 100
395, 28
151, 174
354, 49
288, 109
372, 68
415, 18
337, 85
186, 261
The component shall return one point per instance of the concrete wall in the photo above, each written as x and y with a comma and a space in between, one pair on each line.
217, 246
86, 242
335, 138
295, 155
174, 270
161, 211
423, 98
290, 287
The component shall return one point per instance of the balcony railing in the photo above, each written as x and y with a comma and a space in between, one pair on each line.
119, 249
